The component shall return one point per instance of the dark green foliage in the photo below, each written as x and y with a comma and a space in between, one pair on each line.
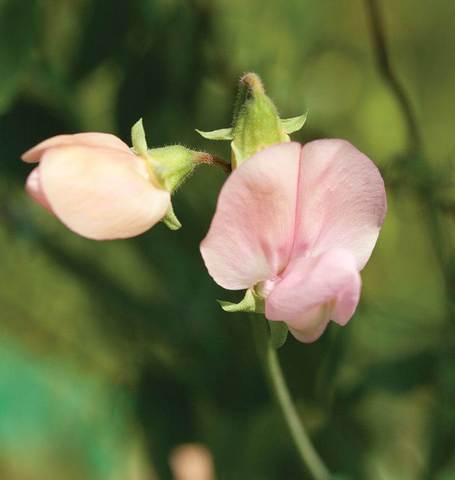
112, 354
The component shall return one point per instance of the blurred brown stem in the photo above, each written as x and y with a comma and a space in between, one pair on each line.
438, 232
421, 165
388, 73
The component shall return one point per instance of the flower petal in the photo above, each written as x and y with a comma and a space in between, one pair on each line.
89, 139
34, 189
251, 233
314, 290
101, 193
342, 201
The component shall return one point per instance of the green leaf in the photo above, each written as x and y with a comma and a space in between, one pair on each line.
170, 220
138, 138
278, 334
291, 125
250, 303
221, 134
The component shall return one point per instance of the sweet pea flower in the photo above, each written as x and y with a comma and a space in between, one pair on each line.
95, 185
296, 224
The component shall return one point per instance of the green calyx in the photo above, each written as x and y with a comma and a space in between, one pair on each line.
172, 165
254, 303
256, 124
251, 302
169, 166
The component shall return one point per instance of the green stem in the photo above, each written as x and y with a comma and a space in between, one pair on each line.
307, 453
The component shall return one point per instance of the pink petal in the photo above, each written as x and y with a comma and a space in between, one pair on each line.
35, 190
89, 139
251, 233
342, 201
101, 193
314, 290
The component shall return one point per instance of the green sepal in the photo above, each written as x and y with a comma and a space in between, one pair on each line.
138, 138
278, 333
172, 164
251, 303
170, 220
291, 125
221, 134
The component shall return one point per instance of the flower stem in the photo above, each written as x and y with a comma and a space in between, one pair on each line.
269, 358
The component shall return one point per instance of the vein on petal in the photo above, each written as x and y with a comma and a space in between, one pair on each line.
297, 214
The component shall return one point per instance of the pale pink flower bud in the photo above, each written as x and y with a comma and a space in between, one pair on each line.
297, 224
96, 185
192, 461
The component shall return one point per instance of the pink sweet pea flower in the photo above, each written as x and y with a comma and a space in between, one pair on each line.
95, 185
297, 224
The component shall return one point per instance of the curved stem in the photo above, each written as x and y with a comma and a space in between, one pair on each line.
308, 454
443, 249
437, 228
382, 55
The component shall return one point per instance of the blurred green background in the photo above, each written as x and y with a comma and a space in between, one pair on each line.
112, 354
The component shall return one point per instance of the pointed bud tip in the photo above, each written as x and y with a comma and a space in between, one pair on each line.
253, 82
